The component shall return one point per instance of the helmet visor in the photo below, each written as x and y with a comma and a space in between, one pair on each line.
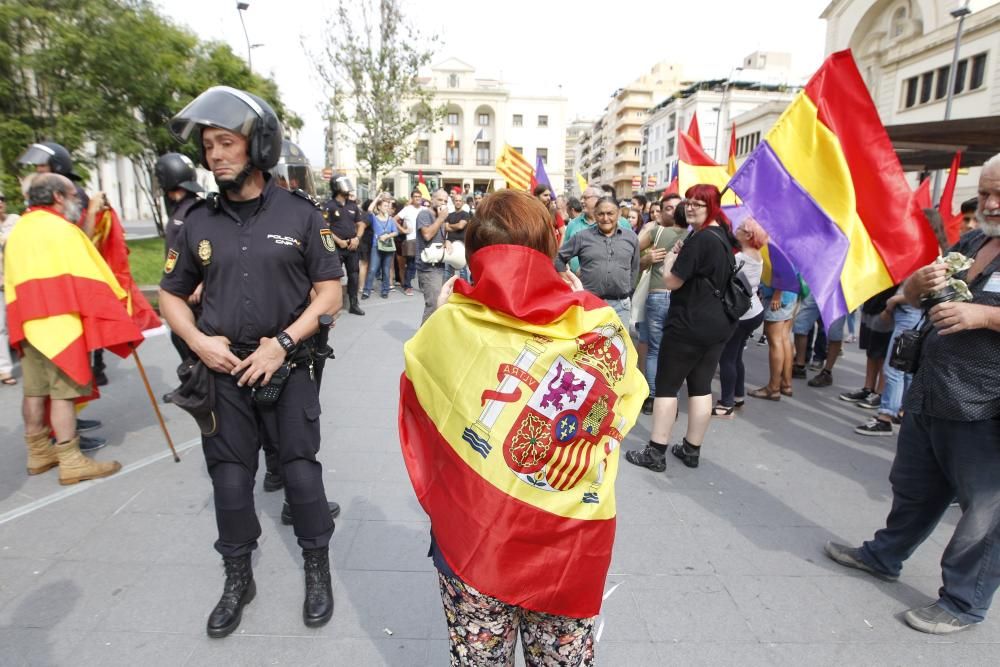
36, 154
220, 106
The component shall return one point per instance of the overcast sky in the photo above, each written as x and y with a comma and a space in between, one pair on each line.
589, 49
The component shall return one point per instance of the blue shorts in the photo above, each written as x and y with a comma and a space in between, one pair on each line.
783, 314
808, 316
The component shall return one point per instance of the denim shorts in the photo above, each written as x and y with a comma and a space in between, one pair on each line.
808, 316
783, 314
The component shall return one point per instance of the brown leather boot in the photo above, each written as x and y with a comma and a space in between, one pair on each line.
41, 453
75, 467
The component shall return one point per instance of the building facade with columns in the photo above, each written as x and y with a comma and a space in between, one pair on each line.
904, 50
481, 116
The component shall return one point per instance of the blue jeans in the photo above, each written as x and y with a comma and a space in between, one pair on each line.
463, 273
657, 304
809, 315
623, 308
897, 382
381, 264
938, 460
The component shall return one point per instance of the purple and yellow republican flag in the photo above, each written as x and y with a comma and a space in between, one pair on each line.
62, 297
516, 397
829, 189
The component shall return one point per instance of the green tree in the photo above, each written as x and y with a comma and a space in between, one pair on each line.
108, 71
370, 64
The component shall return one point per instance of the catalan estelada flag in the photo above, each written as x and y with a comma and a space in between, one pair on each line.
829, 189
514, 168
109, 237
694, 167
62, 297
512, 446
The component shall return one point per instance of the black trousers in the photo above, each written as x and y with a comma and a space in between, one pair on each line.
349, 258
232, 454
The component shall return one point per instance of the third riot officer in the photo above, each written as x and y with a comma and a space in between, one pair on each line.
347, 225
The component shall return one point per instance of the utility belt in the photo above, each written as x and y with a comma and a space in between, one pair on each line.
304, 356
303, 353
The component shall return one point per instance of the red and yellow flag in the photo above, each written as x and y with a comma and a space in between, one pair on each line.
61, 295
512, 447
515, 169
109, 237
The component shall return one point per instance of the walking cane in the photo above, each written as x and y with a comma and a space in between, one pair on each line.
152, 399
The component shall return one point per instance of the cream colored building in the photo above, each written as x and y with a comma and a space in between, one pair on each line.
753, 98
481, 115
904, 51
573, 133
610, 152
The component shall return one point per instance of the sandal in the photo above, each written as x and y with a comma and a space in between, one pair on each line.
723, 411
766, 394
738, 404
787, 391
8, 380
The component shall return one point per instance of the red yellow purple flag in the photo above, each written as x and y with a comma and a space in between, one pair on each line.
512, 446
109, 237
731, 166
694, 166
61, 295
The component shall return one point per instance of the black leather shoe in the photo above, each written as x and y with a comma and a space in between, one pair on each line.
84, 425
239, 590
647, 406
687, 453
318, 606
355, 309
91, 443
273, 482
286, 512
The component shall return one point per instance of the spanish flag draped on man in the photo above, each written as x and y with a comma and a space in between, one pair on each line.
512, 444
62, 297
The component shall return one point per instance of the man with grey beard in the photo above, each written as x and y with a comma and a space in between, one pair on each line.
950, 438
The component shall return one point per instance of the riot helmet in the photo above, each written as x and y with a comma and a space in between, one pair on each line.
236, 111
174, 171
341, 185
52, 154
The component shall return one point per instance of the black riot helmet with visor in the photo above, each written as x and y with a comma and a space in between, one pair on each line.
341, 185
236, 111
175, 171
52, 154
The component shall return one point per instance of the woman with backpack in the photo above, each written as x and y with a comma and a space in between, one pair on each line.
696, 330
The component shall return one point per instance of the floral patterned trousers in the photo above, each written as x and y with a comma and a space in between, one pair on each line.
483, 631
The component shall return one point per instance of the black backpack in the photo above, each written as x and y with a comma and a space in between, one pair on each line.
736, 296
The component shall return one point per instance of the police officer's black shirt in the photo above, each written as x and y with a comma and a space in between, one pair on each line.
343, 218
258, 273
176, 217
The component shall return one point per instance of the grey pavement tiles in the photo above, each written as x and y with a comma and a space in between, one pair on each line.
722, 565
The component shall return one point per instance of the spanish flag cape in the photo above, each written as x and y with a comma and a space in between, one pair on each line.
61, 296
109, 237
515, 398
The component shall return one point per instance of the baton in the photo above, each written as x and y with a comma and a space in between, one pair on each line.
323, 350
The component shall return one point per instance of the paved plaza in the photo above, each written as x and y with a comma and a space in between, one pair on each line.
722, 565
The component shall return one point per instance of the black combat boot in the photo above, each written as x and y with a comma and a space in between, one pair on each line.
355, 309
239, 591
318, 606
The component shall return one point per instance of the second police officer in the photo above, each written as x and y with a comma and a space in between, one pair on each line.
348, 226
258, 250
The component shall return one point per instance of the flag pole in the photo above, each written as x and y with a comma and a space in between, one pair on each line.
156, 407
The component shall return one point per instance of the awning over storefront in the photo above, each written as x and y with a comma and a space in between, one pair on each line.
932, 145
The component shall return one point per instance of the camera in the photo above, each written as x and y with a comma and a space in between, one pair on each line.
906, 350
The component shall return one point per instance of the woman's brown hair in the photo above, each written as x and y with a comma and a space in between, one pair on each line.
513, 218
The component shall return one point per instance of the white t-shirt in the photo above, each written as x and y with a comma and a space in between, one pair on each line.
409, 216
752, 269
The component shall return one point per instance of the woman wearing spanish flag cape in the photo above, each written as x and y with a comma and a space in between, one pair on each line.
512, 445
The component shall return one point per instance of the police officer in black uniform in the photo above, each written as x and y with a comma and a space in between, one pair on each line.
347, 225
259, 250
181, 190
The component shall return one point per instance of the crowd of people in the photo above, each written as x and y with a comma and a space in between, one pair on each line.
252, 275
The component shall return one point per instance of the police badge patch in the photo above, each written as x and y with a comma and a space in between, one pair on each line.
205, 252
328, 241
168, 266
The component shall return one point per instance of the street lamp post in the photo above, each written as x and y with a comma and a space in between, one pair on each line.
960, 13
718, 112
240, 8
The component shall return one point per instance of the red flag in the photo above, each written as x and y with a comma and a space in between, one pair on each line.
109, 237
693, 130
952, 222
922, 195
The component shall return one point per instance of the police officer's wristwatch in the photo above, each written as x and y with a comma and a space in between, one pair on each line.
285, 341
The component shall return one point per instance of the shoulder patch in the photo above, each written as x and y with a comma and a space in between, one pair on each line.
168, 266
328, 241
